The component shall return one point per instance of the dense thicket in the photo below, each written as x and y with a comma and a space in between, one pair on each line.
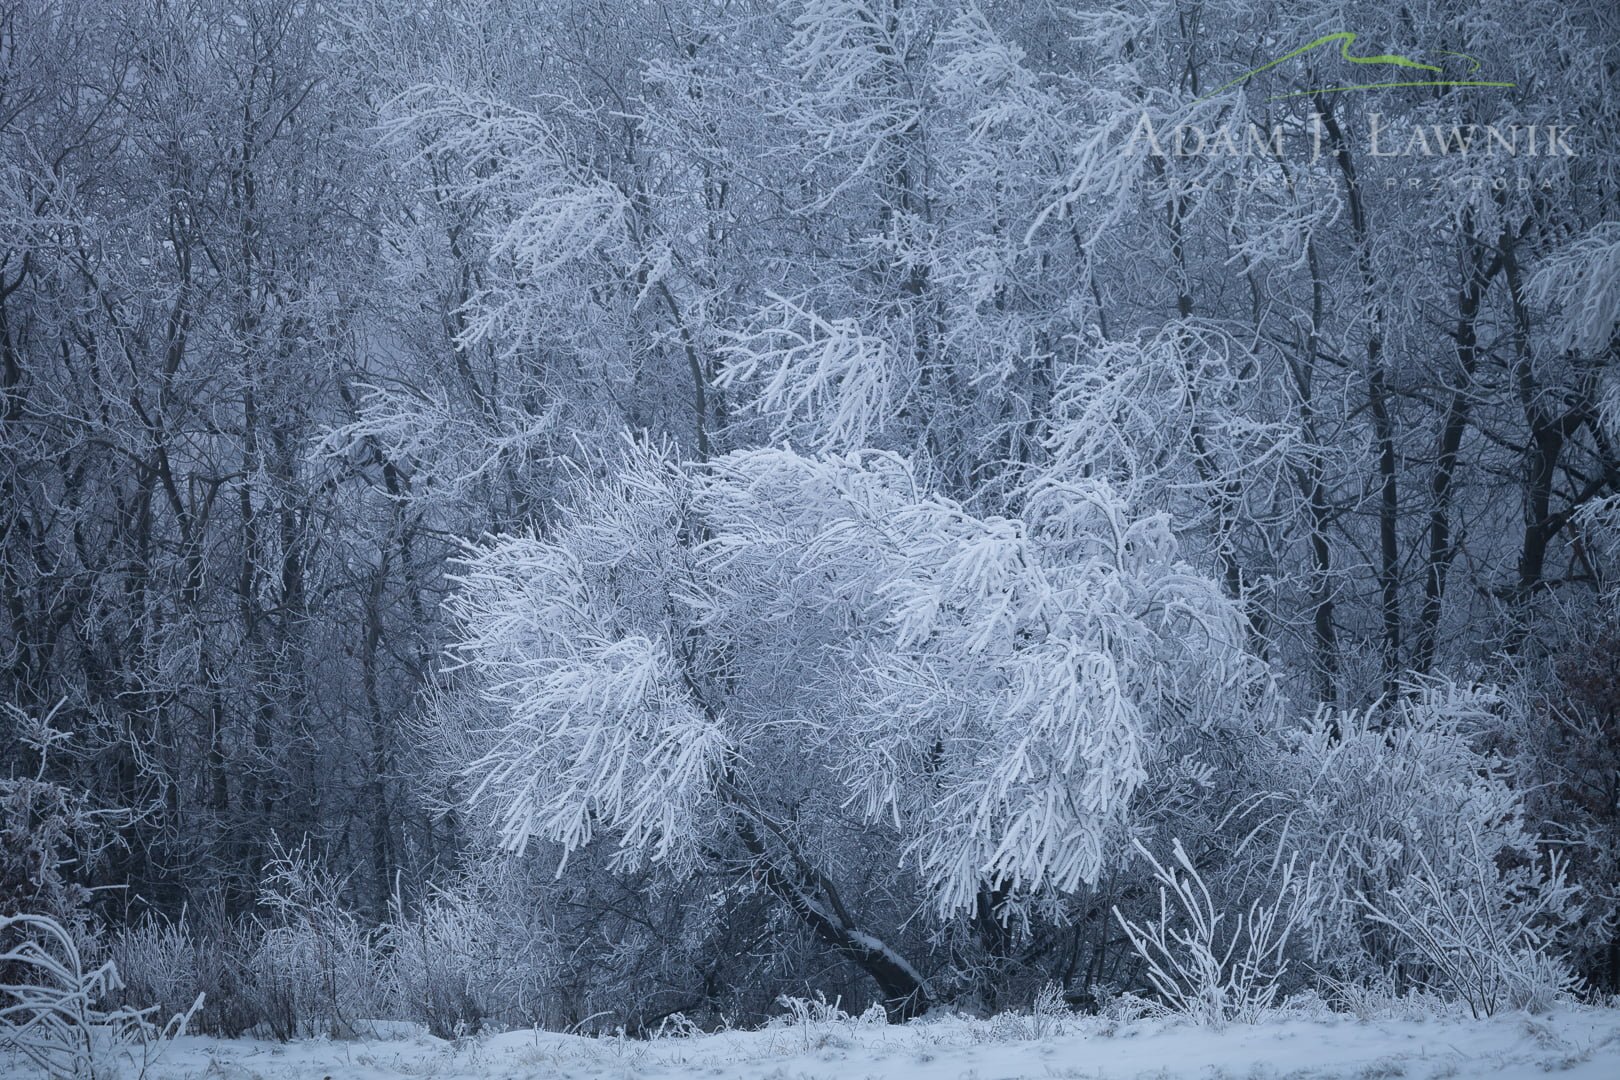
817, 475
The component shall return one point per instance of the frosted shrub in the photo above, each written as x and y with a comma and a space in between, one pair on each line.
1427, 867
817, 1021
1047, 1015
1563, 742
1216, 965
50, 833
1484, 936
54, 1008
309, 981
313, 972
445, 963
169, 964
1048, 1012
1374, 997
155, 960
802, 1011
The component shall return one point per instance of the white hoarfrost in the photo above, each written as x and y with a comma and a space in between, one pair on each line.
689, 638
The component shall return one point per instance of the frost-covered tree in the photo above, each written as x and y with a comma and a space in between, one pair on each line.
774, 661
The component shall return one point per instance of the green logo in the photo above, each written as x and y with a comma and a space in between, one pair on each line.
1345, 39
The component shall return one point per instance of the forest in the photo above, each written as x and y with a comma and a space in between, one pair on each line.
589, 515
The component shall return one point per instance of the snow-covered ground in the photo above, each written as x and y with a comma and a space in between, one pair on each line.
1572, 1042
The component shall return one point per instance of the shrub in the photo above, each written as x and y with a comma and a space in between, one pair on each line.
50, 833
1212, 965
1484, 937
314, 970
1425, 862
1563, 743
442, 962
52, 1011
171, 963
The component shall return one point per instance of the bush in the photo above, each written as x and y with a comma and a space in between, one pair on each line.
171, 963
52, 1012
1425, 862
314, 971
443, 961
1217, 966
51, 834
1563, 742
1485, 939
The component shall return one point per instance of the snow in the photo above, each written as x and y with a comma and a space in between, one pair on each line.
1573, 1041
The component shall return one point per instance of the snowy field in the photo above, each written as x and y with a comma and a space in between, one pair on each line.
1572, 1042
